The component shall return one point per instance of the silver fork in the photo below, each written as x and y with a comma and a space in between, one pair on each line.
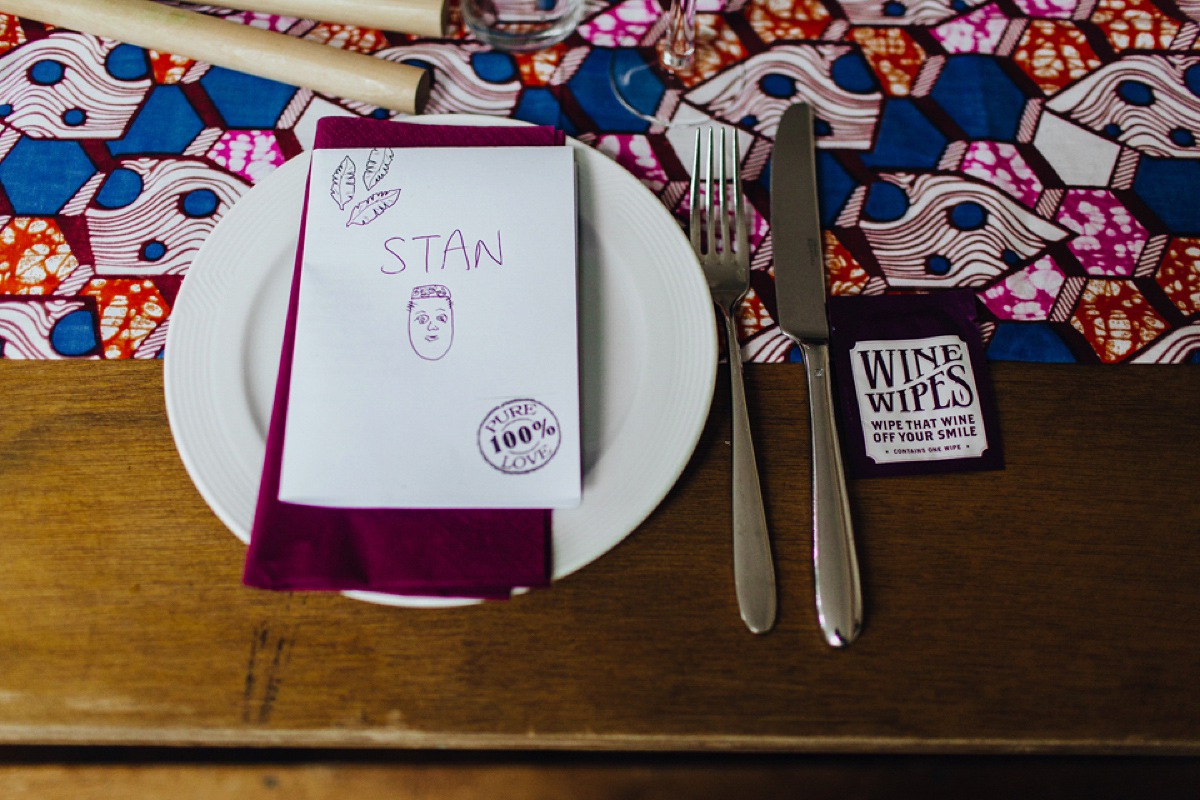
724, 253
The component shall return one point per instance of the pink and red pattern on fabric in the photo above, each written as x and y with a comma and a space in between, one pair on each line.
757, 227
11, 34
634, 154
623, 25
538, 67
251, 154
1055, 53
894, 56
34, 257
348, 37
258, 19
1024, 205
717, 46
456, 27
1134, 25
168, 68
1060, 9
1179, 274
1001, 164
129, 311
1109, 240
1116, 319
787, 19
1028, 295
844, 274
977, 32
753, 316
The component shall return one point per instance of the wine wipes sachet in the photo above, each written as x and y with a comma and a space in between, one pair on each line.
913, 384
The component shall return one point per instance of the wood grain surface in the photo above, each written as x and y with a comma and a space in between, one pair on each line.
104, 773
1049, 607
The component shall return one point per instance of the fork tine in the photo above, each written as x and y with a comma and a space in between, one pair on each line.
694, 198
722, 198
709, 199
743, 252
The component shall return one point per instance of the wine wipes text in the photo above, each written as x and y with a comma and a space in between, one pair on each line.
917, 399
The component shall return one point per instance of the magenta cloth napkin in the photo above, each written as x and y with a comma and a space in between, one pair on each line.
456, 552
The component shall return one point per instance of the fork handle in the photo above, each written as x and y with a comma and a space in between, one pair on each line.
753, 570
839, 591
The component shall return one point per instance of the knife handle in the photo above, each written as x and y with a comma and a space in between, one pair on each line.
839, 591
753, 569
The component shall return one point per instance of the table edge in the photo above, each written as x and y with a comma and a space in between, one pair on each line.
418, 740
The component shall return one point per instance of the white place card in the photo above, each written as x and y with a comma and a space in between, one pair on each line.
436, 355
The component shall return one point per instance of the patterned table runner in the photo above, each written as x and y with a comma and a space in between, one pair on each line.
1042, 152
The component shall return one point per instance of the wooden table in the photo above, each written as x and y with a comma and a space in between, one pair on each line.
1050, 607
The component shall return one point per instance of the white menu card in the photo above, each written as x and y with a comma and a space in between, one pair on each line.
436, 355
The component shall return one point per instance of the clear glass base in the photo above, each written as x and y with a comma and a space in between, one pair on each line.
647, 86
525, 35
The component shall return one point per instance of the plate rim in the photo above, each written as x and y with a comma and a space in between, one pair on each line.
704, 353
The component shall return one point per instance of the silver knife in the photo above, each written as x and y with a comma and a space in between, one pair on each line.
800, 295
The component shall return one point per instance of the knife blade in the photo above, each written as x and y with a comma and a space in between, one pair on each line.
796, 228
800, 297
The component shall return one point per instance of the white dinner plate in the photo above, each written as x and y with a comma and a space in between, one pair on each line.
647, 362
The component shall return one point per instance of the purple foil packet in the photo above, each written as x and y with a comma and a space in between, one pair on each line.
913, 385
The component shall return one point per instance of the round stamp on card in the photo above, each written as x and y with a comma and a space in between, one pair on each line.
519, 436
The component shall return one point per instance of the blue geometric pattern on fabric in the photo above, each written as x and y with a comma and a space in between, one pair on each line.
166, 124
539, 106
494, 67
1042, 152
1028, 342
47, 72
937, 265
885, 202
977, 94
127, 63
246, 101
152, 251
592, 87
120, 188
968, 216
200, 203
40, 175
1160, 182
906, 138
852, 73
75, 334
835, 186
778, 85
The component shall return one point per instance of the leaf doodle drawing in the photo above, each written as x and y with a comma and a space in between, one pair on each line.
372, 207
377, 166
342, 190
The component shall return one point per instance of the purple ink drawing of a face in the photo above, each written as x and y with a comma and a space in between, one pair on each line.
430, 321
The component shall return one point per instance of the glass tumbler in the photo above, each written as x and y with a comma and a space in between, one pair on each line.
522, 24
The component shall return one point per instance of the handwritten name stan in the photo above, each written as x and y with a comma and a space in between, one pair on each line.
437, 252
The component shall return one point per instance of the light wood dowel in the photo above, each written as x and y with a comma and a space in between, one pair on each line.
276, 56
420, 17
